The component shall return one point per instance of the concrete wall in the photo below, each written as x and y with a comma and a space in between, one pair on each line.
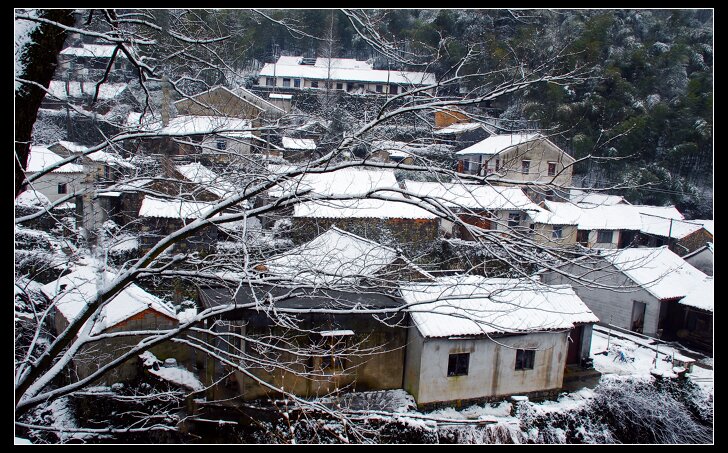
594, 236
380, 369
491, 367
703, 261
611, 306
48, 184
218, 102
543, 234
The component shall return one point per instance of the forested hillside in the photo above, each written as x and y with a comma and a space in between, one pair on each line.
649, 99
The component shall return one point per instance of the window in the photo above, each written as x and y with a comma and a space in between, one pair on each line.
296, 83
552, 168
107, 172
513, 220
286, 83
379, 88
392, 89
525, 166
339, 86
558, 232
604, 236
457, 364
497, 164
270, 81
221, 144
62, 188
525, 359
314, 84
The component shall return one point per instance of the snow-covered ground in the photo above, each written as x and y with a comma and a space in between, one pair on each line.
638, 358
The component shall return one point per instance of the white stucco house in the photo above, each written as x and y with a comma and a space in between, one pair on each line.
474, 339
61, 182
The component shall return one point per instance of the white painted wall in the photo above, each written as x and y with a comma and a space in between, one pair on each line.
491, 368
48, 184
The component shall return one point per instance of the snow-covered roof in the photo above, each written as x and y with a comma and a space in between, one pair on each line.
298, 143
457, 128
343, 69
280, 96
256, 100
93, 50
32, 198
659, 271
497, 143
172, 209
660, 226
701, 296
597, 217
473, 196
580, 197
475, 305
96, 156
332, 257
41, 157
707, 224
200, 124
63, 89
343, 181
211, 181
361, 208
73, 291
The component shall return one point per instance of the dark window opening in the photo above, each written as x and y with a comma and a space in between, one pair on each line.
339, 86
457, 364
221, 144
392, 89
513, 220
552, 168
314, 84
296, 83
525, 166
270, 81
379, 88
286, 83
525, 359
62, 188
558, 232
604, 236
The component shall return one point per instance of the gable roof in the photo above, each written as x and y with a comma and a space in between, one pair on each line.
93, 50
253, 98
335, 256
623, 217
660, 226
468, 305
41, 157
473, 196
658, 270
496, 144
298, 143
211, 181
71, 293
701, 296
62, 89
457, 128
173, 209
97, 156
343, 69
580, 197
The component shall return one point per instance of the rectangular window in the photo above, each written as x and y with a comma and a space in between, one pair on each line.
339, 86
525, 166
457, 364
558, 232
286, 83
552, 168
392, 89
62, 188
296, 83
221, 144
604, 236
513, 220
497, 164
270, 81
379, 88
525, 359
314, 84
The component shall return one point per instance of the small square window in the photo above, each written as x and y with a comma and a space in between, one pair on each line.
525, 359
314, 84
62, 188
270, 81
552, 168
221, 144
339, 86
604, 237
286, 83
525, 166
457, 364
513, 220
557, 232
296, 83
379, 88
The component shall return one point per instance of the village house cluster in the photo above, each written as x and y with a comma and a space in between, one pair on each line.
445, 334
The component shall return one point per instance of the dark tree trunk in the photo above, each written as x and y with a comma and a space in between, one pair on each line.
40, 60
